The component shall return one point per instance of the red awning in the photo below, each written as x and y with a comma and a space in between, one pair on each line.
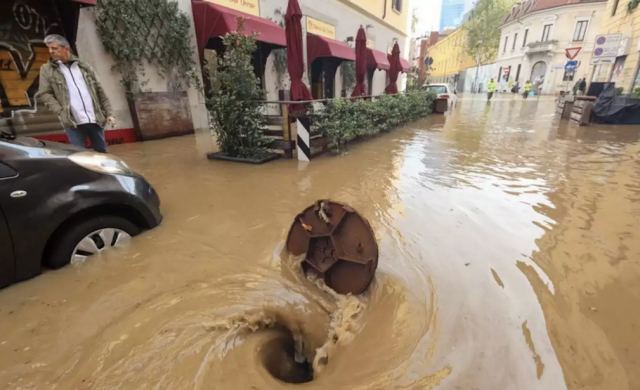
377, 60
213, 20
86, 2
318, 47
406, 65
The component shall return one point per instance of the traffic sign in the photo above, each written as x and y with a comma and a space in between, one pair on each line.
571, 66
572, 52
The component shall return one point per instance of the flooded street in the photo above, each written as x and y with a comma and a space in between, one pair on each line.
509, 259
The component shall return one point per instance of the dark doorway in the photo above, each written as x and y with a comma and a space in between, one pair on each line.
323, 77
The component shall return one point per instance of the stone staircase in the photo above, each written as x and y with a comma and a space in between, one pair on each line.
31, 122
287, 146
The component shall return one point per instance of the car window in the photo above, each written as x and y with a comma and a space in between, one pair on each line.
6, 171
437, 89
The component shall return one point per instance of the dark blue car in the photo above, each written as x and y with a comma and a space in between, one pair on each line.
60, 204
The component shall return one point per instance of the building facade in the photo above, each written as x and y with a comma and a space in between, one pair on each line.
449, 58
385, 22
623, 65
452, 13
424, 61
536, 36
22, 51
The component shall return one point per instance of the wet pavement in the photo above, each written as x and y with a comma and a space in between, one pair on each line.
509, 259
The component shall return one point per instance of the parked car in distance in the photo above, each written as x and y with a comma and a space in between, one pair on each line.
60, 204
443, 92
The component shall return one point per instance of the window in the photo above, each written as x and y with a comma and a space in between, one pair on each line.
545, 32
636, 82
437, 89
518, 72
515, 39
397, 5
506, 40
618, 67
524, 39
581, 30
615, 7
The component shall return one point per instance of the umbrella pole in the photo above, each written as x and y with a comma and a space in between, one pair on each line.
303, 129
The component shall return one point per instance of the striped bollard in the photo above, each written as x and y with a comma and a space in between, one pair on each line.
304, 138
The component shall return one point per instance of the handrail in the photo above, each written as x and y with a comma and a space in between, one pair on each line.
327, 99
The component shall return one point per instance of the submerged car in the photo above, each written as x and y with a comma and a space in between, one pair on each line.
60, 204
443, 92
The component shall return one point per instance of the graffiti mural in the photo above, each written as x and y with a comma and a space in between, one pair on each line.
23, 26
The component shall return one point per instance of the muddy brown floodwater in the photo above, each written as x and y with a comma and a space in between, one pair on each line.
509, 259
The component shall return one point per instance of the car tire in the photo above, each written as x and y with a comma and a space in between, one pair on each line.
66, 243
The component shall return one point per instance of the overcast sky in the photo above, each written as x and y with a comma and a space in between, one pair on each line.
428, 12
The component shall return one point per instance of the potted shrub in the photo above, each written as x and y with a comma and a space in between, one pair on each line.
235, 105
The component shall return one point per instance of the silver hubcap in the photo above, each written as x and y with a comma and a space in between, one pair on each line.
98, 242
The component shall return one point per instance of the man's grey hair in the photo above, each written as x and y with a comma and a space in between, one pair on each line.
56, 38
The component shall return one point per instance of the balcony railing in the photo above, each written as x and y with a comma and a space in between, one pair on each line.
541, 47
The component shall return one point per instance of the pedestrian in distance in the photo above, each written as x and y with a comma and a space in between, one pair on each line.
527, 89
582, 86
70, 89
491, 89
515, 87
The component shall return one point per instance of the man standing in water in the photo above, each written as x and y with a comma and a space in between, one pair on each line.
582, 86
491, 89
70, 89
527, 89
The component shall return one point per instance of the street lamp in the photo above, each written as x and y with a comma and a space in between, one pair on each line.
475, 82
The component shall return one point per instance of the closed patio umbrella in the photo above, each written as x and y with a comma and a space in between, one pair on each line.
361, 63
295, 62
394, 70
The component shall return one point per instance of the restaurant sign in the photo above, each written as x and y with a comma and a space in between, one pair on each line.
251, 7
318, 27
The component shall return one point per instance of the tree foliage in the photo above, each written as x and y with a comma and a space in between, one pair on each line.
235, 102
483, 29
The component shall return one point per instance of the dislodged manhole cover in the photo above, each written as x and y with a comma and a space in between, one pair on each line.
339, 244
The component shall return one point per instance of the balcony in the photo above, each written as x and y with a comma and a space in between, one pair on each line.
541, 47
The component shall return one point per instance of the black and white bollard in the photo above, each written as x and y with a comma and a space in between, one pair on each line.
303, 127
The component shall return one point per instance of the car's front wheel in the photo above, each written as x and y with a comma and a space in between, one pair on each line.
89, 238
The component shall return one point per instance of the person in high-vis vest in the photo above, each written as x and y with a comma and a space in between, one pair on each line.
527, 89
491, 89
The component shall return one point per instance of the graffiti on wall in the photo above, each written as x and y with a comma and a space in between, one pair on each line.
23, 26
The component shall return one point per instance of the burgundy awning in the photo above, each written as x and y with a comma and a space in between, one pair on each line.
213, 20
377, 60
86, 2
318, 47
406, 65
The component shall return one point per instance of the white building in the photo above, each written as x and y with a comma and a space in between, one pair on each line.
535, 37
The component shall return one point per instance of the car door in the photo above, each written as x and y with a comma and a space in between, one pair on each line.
7, 261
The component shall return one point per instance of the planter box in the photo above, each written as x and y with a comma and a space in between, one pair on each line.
160, 114
257, 160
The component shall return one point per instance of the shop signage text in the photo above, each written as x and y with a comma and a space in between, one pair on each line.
251, 7
318, 27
